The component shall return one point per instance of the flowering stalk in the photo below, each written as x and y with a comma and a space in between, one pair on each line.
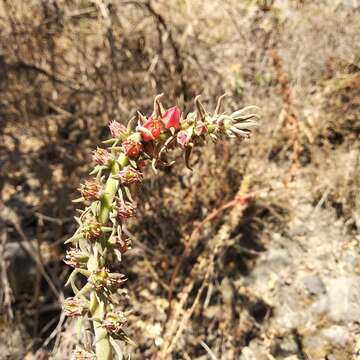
108, 203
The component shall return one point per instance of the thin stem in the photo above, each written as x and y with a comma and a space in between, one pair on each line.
102, 342
111, 188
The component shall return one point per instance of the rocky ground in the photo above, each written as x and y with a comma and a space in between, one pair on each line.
309, 279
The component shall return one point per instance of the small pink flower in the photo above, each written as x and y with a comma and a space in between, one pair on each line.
101, 157
91, 190
132, 148
154, 127
129, 176
171, 118
125, 210
117, 130
183, 138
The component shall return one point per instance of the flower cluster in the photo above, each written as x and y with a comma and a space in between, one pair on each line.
108, 204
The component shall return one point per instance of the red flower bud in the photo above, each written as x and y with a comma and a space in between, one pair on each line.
129, 175
117, 130
171, 118
131, 148
154, 128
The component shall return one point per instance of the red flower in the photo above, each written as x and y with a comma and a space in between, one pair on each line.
131, 148
154, 128
171, 118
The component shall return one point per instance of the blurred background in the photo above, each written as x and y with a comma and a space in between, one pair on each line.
253, 255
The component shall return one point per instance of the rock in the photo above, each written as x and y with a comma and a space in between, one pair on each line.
314, 285
338, 335
344, 298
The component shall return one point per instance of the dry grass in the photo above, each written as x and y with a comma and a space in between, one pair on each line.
68, 67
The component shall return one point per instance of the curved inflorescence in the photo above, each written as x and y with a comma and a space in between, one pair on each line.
109, 203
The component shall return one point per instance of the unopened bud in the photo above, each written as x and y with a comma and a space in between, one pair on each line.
171, 118
132, 148
183, 138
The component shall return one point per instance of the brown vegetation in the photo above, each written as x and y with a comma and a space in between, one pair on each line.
202, 282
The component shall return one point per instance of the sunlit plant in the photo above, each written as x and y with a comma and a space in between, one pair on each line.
108, 202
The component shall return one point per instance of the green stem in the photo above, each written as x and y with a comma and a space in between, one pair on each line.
111, 188
102, 342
